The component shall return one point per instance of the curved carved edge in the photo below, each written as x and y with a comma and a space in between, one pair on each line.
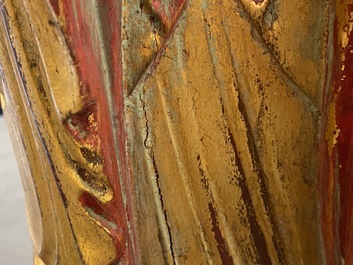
189, 137
76, 209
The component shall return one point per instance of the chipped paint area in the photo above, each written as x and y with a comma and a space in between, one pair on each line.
83, 127
184, 132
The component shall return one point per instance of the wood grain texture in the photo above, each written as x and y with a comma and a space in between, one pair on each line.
183, 132
216, 130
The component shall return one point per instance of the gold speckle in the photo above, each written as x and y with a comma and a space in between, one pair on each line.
92, 122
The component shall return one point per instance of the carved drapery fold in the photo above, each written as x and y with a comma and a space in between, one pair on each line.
182, 132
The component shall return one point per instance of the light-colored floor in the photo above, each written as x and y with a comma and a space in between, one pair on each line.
15, 244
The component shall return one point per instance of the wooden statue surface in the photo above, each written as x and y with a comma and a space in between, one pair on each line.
183, 132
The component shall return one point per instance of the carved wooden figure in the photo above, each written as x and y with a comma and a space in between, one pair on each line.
183, 131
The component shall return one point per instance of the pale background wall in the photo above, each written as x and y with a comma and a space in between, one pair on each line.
15, 244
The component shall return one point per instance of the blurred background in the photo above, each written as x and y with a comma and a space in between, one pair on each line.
15, 244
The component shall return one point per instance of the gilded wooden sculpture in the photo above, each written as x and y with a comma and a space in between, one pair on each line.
183, 131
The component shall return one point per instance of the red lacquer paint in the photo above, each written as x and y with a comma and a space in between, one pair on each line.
327, 182
344, 147
81, 35
336, 165
81, 126
168, 12
56, 7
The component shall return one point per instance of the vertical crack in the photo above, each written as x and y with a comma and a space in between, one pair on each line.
147, 145
164, 210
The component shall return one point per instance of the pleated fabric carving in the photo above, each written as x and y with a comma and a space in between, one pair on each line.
182, 132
